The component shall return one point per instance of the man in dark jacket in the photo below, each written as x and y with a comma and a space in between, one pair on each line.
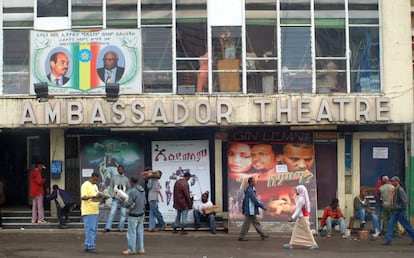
136, 204
182, 202
399, 207
250, 209
64, 201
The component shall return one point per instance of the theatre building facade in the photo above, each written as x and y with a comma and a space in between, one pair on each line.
290, 92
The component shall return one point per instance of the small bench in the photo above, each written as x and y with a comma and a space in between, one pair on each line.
353, 222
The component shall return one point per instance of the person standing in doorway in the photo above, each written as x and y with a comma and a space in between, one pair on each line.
250, 210
399, 205
118, 182
153, 192
37, 193
301, 234
182, 203
90, 211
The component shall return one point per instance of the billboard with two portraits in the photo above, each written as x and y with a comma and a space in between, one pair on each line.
83, 62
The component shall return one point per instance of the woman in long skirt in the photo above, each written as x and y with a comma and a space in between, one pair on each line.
301, 234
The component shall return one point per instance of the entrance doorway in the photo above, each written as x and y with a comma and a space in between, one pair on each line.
381, 157
326, 166
19, 152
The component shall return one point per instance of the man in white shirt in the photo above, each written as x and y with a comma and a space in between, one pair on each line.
200, 212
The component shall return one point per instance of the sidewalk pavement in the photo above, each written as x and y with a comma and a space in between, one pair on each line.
69, 243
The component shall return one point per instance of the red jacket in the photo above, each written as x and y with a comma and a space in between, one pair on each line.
328, 212
36, 183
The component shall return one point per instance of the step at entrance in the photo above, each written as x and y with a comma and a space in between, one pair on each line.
22, 219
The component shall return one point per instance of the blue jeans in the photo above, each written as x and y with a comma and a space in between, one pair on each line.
135, 233
330, 222
114, 208
181, 219
211, 219
363, 216
378, 211
155, 214
90, 224
402, 218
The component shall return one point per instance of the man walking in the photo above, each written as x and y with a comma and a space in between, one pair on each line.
118, 182
250, 209
399, 203
182, 202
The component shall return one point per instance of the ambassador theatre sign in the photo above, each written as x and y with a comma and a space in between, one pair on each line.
168, 111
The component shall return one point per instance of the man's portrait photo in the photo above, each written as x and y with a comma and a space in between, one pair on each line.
59, 65
112, 69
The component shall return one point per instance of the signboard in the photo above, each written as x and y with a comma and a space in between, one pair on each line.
173, 159
81, 62
103, 156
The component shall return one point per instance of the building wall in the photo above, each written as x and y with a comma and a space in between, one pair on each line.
220, 110
236, 109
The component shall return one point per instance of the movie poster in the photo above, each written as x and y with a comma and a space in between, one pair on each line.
173, 159
279, 161
103, 155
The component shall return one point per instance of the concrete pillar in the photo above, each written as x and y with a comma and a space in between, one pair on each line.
57, 152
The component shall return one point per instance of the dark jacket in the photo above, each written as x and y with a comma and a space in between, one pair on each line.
399, 199
136, 201
182, 199
119, 73
66, 197
250, 195
65, 79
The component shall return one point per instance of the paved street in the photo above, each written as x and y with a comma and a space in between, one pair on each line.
69, 243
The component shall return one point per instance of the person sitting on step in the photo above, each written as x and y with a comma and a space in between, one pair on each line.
332, 216
364, 213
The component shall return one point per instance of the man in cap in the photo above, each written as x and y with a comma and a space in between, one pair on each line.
37, 192
399, 203
182, 202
